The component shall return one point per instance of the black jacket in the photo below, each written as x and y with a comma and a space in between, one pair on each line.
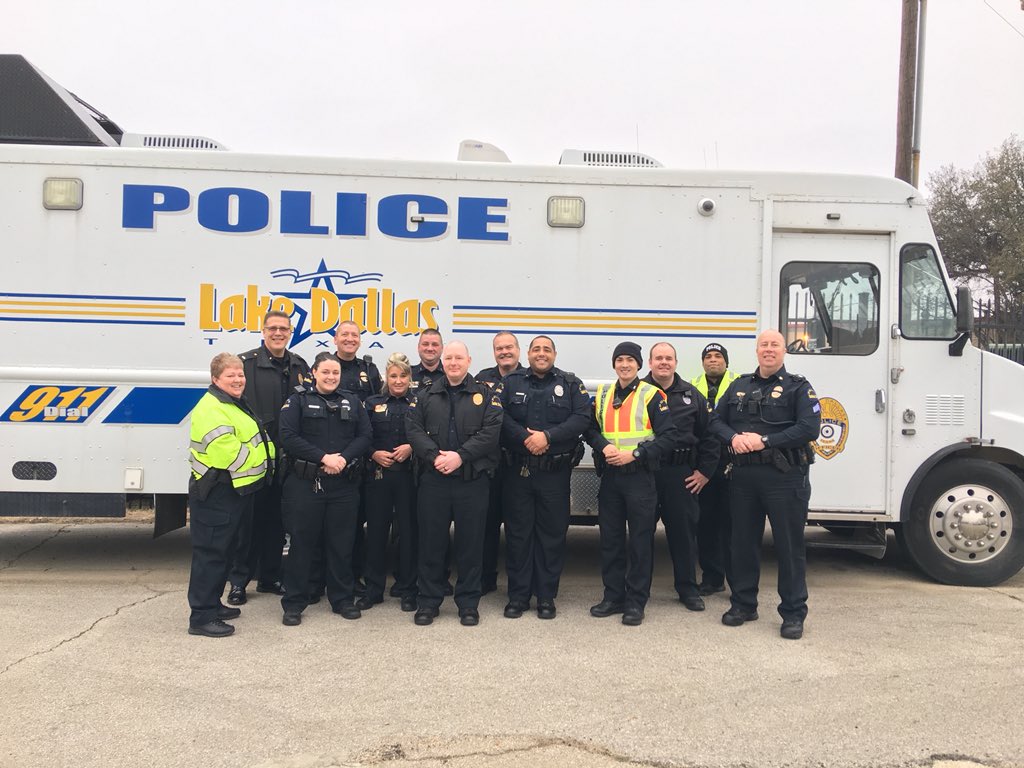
557, 404
783, 407
692, 416
422, 378
360, 376
492, 376
478, 417
267, 385
313, 425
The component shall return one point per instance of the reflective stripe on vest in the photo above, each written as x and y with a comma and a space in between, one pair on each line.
701, 383
628, 425
212, 420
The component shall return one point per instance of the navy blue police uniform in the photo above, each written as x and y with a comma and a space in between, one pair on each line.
269, 381
714, 529
422, 378
320, 510
535, 489
390, 501
695, 448
492, 377
465, 418
772, 482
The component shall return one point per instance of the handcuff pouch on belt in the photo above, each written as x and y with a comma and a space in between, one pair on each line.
783, 459
680, 457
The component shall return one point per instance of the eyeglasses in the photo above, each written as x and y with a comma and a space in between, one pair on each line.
277, 328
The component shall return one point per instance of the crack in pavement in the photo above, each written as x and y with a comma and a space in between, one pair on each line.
395, 753
1007, 594
87, 630
10, 563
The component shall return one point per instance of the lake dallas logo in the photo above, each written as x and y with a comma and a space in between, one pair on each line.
316, 305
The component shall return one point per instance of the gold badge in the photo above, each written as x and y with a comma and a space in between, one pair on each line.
380, 408
478, 399
835, 429
362, 377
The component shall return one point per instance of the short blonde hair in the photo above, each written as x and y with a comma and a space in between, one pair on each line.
222, 362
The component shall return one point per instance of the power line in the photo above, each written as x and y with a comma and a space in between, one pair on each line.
997, 13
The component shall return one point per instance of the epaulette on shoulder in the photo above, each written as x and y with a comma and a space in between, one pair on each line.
300, 390
797, 377
569, 376
248, 355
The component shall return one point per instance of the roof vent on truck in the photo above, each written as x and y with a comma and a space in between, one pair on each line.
608, 159
167, 141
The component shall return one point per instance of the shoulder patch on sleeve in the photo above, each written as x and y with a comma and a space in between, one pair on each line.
662, 404
495, 401
811, 395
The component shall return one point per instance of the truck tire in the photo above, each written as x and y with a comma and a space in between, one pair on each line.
966, 524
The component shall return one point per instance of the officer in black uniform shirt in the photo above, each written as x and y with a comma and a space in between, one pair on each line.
326, 433
390, 489
271, 373
768, 419
505, 346
453, 428
361, 377
429, 367
546, 411
631, 432
684, 471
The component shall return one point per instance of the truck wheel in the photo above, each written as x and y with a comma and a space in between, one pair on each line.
966, 524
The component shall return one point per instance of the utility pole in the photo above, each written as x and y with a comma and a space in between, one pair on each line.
905, 104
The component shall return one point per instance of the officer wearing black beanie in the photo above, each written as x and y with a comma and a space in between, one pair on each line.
630, 432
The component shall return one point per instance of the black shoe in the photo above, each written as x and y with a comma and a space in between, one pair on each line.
469, 617
394, 591
734, 617
425, 616
448, 589
546, 609
270, 587
228, 613
291, 619
515, 609
605, 608
693, 602
366, 603
215, 628
359, 588
486, 587
633, 616
237, 596
710, 589
348, 611
313, 598
792, 629
409, 603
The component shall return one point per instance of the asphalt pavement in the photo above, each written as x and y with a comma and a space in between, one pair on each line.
96, 669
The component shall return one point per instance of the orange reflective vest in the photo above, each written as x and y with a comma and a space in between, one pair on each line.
628, 425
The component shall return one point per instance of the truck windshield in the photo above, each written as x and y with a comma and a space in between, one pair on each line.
829, 308
926, 308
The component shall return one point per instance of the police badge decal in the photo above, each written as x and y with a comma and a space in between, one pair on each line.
835, 429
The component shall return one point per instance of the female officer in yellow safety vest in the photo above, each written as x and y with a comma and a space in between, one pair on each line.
229, 459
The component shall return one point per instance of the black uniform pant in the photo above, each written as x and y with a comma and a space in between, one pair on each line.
758, 491
440, 501
260, 541
313, 520
714, 533
679, 512
492, 529
390, 500
627, 502
213, 526
536, 520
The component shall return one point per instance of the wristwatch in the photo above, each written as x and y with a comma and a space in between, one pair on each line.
637, 453
764, 440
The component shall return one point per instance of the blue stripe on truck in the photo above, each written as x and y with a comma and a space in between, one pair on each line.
155, 405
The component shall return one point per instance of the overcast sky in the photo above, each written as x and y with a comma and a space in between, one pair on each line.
785, 85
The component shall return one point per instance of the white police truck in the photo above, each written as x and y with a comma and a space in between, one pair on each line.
129, 261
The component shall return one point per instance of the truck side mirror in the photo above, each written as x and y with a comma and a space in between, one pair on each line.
964, 310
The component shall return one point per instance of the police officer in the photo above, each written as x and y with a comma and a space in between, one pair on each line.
631, 432
360, 376
326, 433
768, 418
230, 455
429, 367
454, 428
684, 471
714, 530
546, 411
390, 489
506, 350
271, 373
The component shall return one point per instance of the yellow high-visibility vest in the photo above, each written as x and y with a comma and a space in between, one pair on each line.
628, 425
223, 436
701, 383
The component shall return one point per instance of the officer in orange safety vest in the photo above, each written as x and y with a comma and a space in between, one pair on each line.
630, 433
